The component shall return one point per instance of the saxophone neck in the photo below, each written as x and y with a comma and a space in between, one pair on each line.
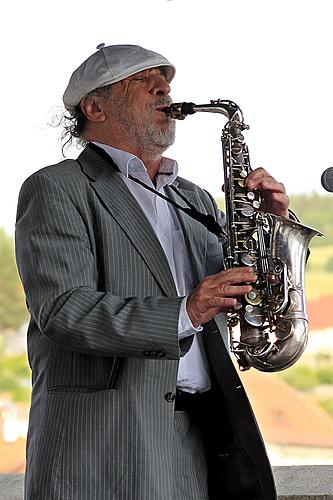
180, 110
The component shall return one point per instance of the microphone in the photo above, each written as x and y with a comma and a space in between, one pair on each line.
327, 179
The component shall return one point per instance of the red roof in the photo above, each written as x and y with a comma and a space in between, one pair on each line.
320, 313
285, 415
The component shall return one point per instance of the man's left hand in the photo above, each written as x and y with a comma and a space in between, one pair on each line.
275, 200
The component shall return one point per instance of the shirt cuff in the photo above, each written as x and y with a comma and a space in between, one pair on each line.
185, 327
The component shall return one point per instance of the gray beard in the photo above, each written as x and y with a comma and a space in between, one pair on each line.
159, 138
144, 133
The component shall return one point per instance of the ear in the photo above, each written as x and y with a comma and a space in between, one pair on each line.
92, 109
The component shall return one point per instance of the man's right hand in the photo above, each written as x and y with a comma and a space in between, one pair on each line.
218, 293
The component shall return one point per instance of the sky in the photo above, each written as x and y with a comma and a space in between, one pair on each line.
273, 58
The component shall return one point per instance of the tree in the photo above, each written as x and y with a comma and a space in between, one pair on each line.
13, 312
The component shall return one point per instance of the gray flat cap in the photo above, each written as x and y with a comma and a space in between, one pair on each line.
110, 65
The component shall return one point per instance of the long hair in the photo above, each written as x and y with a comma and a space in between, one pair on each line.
74, 124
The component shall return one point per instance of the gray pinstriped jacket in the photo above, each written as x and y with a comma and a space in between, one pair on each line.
102, 340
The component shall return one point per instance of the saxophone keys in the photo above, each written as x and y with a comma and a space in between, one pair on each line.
253, 298
248, 259
247, 211
253, 315
251, 196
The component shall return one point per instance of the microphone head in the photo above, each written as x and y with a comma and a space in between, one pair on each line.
327, 179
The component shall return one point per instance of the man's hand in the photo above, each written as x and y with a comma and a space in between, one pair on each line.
275, 200
218, 293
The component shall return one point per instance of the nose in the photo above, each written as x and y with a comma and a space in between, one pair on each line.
160, 86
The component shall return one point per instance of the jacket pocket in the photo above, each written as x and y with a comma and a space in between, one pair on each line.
111, 383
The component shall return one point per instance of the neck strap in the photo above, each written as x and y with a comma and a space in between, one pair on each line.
207, 220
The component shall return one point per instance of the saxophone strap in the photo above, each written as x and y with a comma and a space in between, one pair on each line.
207, 220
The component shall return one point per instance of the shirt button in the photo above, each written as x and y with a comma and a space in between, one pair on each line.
170, 397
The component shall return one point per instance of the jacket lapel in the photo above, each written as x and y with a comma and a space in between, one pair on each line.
195, 234
123, 207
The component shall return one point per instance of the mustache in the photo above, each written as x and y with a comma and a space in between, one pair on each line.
161, 101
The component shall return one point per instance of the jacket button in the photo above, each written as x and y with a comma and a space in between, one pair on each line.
170, 397
159, 354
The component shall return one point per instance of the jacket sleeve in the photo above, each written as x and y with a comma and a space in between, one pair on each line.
59, 274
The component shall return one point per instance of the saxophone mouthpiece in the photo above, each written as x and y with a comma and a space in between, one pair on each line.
179, 110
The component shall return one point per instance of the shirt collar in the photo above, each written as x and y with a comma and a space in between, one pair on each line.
130, 164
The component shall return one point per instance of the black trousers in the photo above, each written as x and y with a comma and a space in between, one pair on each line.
231, 473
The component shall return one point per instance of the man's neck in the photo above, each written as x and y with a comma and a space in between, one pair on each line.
151, 157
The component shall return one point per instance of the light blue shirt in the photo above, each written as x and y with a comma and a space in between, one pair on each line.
193, 372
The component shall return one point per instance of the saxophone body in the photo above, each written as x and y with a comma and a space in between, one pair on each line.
272, 319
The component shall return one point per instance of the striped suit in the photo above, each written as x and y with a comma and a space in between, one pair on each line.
103, 343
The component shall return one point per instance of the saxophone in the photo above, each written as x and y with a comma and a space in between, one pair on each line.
272, 319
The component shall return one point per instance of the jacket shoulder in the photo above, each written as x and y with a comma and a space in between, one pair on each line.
65, 170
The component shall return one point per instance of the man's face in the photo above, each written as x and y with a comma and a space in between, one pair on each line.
136, 104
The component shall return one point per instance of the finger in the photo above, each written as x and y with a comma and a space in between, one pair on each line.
280, 199
222, 303
261, 179
277, 204
265, 183
256, 175
233, 276
271, 185
231, 291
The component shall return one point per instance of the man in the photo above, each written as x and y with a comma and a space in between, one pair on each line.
134, 393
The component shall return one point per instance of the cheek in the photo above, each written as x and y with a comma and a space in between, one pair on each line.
131, 92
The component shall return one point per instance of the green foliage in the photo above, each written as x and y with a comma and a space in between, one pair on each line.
329, 265
325, 375
314, 210
302, 377
15, 376
13, 311
327, 404
306, 378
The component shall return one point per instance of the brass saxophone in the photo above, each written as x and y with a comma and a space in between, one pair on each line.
272, 319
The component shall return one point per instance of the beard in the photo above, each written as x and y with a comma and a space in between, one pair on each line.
142, 129
161, 138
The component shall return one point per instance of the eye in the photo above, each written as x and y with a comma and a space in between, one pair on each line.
139, 79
